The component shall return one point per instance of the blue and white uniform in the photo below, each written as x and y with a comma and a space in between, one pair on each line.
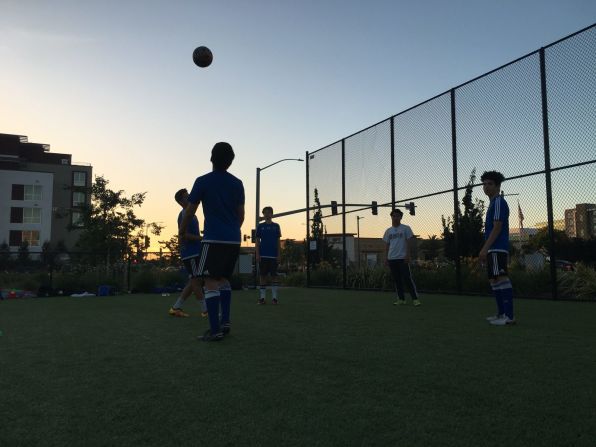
498, 211
268, 235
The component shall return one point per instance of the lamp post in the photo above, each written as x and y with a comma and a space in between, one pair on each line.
258, 199
358, 219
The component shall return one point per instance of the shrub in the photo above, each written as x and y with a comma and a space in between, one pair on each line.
579, 284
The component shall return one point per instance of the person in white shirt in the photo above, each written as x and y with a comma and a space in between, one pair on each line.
397, 255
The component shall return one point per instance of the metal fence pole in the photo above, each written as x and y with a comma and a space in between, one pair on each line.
458, 282
307, 248
547, 168
343, 214
392, 130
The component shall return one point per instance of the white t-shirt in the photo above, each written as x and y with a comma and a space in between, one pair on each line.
397, 238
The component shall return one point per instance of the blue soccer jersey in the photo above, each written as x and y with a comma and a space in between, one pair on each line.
188, 248
498, 211
221, 195
268, 235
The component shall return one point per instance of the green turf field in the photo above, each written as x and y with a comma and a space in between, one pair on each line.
324, 368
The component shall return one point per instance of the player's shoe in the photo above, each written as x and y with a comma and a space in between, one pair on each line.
177, 312
208, 336
503, 321
416, 302
274, 301
261, 301
400, 303
494, 317
226, 328
204, 314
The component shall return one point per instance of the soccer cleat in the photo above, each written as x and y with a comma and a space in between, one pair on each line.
177, 312
400, 303
261, 301
416, 302
274, 301
494, 317
204, 314
226, 328
503, 321
207, 336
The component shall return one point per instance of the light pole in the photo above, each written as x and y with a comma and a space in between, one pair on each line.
358, 219
258, 199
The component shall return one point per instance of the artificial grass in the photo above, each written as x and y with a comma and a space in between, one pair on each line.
324, 368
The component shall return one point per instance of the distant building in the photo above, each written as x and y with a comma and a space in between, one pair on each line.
558, 224
370, 250
580, 221
41, 194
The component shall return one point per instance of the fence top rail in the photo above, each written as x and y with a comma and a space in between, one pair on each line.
459, 86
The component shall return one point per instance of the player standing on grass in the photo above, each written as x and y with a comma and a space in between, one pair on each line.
495, 251
397, 255
268, 251
222, 196
190, 250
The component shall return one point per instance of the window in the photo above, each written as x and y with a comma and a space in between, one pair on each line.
77, 219
32, 192
18, 192
32, 215
31, 236
15, 238
78, 198
16, 215
79, 178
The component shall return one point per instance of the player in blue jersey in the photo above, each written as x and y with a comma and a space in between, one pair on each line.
268, 251
190, 250
397, 254
495, 251
222, 196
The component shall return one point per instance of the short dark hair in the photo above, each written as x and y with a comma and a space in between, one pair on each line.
267, 208
222, 156
396, 211
495, 176
179, 194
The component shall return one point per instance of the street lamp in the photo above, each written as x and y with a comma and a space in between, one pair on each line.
258, 204
358, 219
257, 210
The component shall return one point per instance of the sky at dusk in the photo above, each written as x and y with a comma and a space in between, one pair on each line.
113, 82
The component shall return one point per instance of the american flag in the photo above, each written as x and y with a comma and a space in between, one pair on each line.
520, 215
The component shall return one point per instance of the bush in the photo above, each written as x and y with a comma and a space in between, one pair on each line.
578, 284
295, 279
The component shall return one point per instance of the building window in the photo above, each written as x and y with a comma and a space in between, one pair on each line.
18, 192
77, 219
15, 238
32, 215
78, 198
32, 192
79, 178
31, 236
16, 215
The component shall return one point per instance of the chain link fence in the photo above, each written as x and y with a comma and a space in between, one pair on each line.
533, 119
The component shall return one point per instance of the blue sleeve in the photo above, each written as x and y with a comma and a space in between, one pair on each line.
501, 212
241, 198
196, 194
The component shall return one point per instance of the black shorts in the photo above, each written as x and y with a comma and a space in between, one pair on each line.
268, 266
496, 264
192, 266
218, 260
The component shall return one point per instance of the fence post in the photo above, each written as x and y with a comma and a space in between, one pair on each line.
547, 169
128, 263
343, 214
307, 248
392, 131
458, 282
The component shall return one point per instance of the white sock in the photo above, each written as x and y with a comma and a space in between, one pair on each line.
179, 303
274, 291
203, 306
263, 292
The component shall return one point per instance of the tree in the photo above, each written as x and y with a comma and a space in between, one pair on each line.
110, 221
292, 255
431, 247
471, 225
23, 254
4, 255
